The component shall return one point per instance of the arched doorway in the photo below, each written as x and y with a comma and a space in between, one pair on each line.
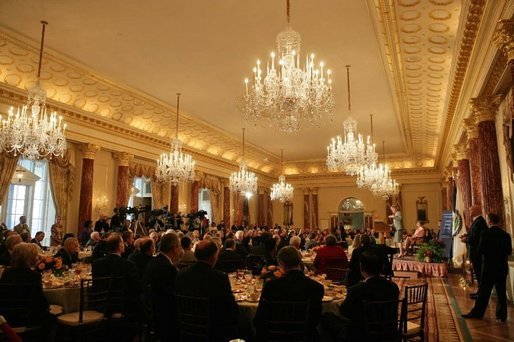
351, 213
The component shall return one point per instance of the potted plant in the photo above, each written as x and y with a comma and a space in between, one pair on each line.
431, 251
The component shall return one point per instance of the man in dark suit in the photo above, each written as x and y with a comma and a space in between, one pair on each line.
472, 239
38, 238
160, 275
293, 286
11, 241
69, 252
201, 280
113, 265
495, 247
142, 256
354, 268
229, 260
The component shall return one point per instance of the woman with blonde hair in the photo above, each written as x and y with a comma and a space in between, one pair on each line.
356, 243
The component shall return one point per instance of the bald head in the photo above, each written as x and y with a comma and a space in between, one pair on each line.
12, 241
207, 251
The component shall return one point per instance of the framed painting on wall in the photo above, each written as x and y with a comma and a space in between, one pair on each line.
422, 209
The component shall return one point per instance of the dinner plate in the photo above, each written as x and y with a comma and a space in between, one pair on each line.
327, 299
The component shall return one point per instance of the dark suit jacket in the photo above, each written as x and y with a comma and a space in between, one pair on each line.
36, 242
354, 269
114, 265
373, 289
100, 251
67, 259
229, 261
141, 261
293, 286
160, 274
5, 258
39, 304
478, 226
200, 280
495, 247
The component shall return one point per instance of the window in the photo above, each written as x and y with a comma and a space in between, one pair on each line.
32, 199
204, 202
141, 188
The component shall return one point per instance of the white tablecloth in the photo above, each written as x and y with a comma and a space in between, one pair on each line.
68, 298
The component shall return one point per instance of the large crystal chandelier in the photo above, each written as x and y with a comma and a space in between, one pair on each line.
31, 132
175, 166
373, 173
289, 97
282, 191
385, 185
350, 153
243, 181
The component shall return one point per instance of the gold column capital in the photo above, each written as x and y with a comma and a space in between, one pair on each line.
471, 127
122, 158
461, 151
89, 151
314, 191
504, 37
484, 108
306, 191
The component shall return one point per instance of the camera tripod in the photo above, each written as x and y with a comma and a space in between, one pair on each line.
139, 229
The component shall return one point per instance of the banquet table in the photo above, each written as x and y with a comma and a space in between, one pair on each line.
67, 297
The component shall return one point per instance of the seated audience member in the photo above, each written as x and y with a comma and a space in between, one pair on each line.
69, 252
373, 288
267, 249
113, 265
311, 241
11, 241
25, 237
93, 239
354, 271
128, 240
160, 274
419, 235
142, 257
356, 243
100, 249
66, 236
85, 234
240, 245
330, 255
293, 286
38, 239
24, 259
201, 280
228, 259
295, 241
189, 255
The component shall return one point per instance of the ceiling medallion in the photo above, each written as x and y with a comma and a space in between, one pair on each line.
282, 191
351, 153
175, 166
35, 134
243, 181
289, 97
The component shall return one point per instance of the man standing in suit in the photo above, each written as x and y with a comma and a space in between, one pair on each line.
22, 226
472, 239
113, 265
159, 276
201, 280
69, 252
495, 247
293, 286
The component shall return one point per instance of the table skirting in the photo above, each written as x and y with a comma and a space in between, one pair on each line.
428, 269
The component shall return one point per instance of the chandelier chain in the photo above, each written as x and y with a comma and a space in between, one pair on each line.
288, 6
44, 23
178, 107
349, 92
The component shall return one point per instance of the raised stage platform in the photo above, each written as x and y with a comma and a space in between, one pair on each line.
437, 270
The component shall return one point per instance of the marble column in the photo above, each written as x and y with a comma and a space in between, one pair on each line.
474, 160
334, 221
261, 208
195, 188
86, 183
306, 208
174, 190
484, 109
269, 212
239, 208
449, 193
123, 183
464, 182
226, 204
315, 217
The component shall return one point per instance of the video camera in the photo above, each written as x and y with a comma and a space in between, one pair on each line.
124, 211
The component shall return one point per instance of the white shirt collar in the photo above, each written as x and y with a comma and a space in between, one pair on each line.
167, 257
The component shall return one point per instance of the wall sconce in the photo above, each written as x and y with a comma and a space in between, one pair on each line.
182, 208
19, 175
101, 205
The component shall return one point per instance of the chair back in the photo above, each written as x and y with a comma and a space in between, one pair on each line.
415, 305
102, 294
388, 267
337, 275
382, 320
193, 317
184, 264
286, 321
17, 303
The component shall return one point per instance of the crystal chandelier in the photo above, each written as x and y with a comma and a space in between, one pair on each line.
243, 181
31, 132
175, 166
385, 186
373, 173
289, 97
282, 191
351, 152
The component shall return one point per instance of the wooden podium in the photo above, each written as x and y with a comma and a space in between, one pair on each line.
381, 228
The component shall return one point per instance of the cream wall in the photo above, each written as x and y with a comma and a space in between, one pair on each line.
433, 196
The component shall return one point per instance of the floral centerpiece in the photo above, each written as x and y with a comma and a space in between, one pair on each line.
271, 272
50, 264
431, 251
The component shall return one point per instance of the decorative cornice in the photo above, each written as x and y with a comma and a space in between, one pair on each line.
473, 21
485, 108
504, 37
89, 151
495, 75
